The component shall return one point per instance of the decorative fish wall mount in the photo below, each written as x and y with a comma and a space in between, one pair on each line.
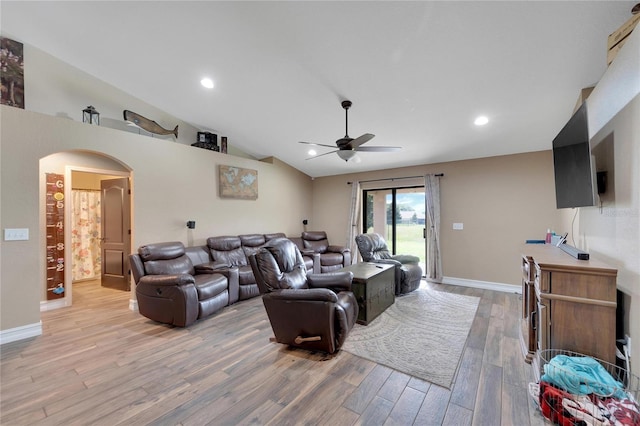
148, 125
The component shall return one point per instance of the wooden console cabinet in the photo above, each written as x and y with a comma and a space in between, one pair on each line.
567, 304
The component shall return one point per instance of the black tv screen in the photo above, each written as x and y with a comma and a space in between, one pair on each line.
572, 163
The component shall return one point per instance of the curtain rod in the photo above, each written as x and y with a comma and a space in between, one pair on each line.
392, 179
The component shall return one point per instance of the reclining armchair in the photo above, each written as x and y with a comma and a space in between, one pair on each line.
314, 311
332, 257
373, 248
171, 290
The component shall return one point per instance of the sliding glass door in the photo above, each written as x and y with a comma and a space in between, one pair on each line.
398, 214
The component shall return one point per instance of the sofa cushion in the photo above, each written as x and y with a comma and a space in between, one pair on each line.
227, 250
198, 254
269, 237
316, 240
330, 259
245, 275
251, 243
210, 285
372, 247
212, 305
161, 251
179, 265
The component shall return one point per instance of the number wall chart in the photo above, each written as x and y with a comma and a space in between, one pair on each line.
55, 236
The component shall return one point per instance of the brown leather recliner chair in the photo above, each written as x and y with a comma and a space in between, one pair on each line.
332, 257
171, 290
408, 273
314, 311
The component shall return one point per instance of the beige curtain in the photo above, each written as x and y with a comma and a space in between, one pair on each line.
354, 221
432, 210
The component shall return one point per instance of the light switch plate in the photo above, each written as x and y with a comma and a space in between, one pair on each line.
16, 234
458, 226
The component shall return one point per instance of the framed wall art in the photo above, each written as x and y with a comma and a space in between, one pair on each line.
11, 72
236, 182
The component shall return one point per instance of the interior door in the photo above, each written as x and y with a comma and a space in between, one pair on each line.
116, 231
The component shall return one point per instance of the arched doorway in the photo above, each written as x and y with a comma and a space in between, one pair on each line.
79, 172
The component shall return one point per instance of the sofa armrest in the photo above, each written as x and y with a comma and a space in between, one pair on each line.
338, 249
406, 258
167, 280
315, 295
336, 281
210, 267
386, 261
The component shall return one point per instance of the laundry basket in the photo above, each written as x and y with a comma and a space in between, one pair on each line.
576, 389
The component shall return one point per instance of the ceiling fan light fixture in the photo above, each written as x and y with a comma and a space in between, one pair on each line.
346, 154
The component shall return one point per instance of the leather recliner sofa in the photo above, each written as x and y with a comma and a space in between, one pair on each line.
171, 290
234, 251
222, 258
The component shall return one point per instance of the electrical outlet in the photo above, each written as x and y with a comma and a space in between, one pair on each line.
458, 226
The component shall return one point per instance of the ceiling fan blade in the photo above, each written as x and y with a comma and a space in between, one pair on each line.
360, 140
321, 155
317, 144
378, 148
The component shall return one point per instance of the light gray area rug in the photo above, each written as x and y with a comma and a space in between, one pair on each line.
422, 334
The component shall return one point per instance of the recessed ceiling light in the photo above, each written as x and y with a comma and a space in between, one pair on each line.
207, 82
481, 120
312, 152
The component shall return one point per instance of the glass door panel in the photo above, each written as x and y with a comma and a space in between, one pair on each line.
398, 214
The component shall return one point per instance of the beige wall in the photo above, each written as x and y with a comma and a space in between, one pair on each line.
502, 201
171, 183
56, 88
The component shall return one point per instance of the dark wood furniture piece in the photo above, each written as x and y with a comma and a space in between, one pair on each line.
567, 304
374, 287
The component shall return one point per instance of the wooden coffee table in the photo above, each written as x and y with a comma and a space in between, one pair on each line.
374, 287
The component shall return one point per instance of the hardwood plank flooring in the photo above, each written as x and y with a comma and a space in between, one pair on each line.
98, 363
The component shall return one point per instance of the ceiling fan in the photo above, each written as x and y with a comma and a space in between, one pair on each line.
347, 147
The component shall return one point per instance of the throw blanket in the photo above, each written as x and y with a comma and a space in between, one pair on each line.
581, 375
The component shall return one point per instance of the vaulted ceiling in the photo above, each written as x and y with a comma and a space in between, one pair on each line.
418, 73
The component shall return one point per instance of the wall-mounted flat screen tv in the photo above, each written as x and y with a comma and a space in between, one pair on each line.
573, 164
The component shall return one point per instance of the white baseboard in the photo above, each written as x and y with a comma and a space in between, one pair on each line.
49, 305
20, 333
485, 285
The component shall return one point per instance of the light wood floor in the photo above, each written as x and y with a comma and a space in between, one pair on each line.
99, 363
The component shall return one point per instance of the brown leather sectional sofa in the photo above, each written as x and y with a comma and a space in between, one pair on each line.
178, 285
